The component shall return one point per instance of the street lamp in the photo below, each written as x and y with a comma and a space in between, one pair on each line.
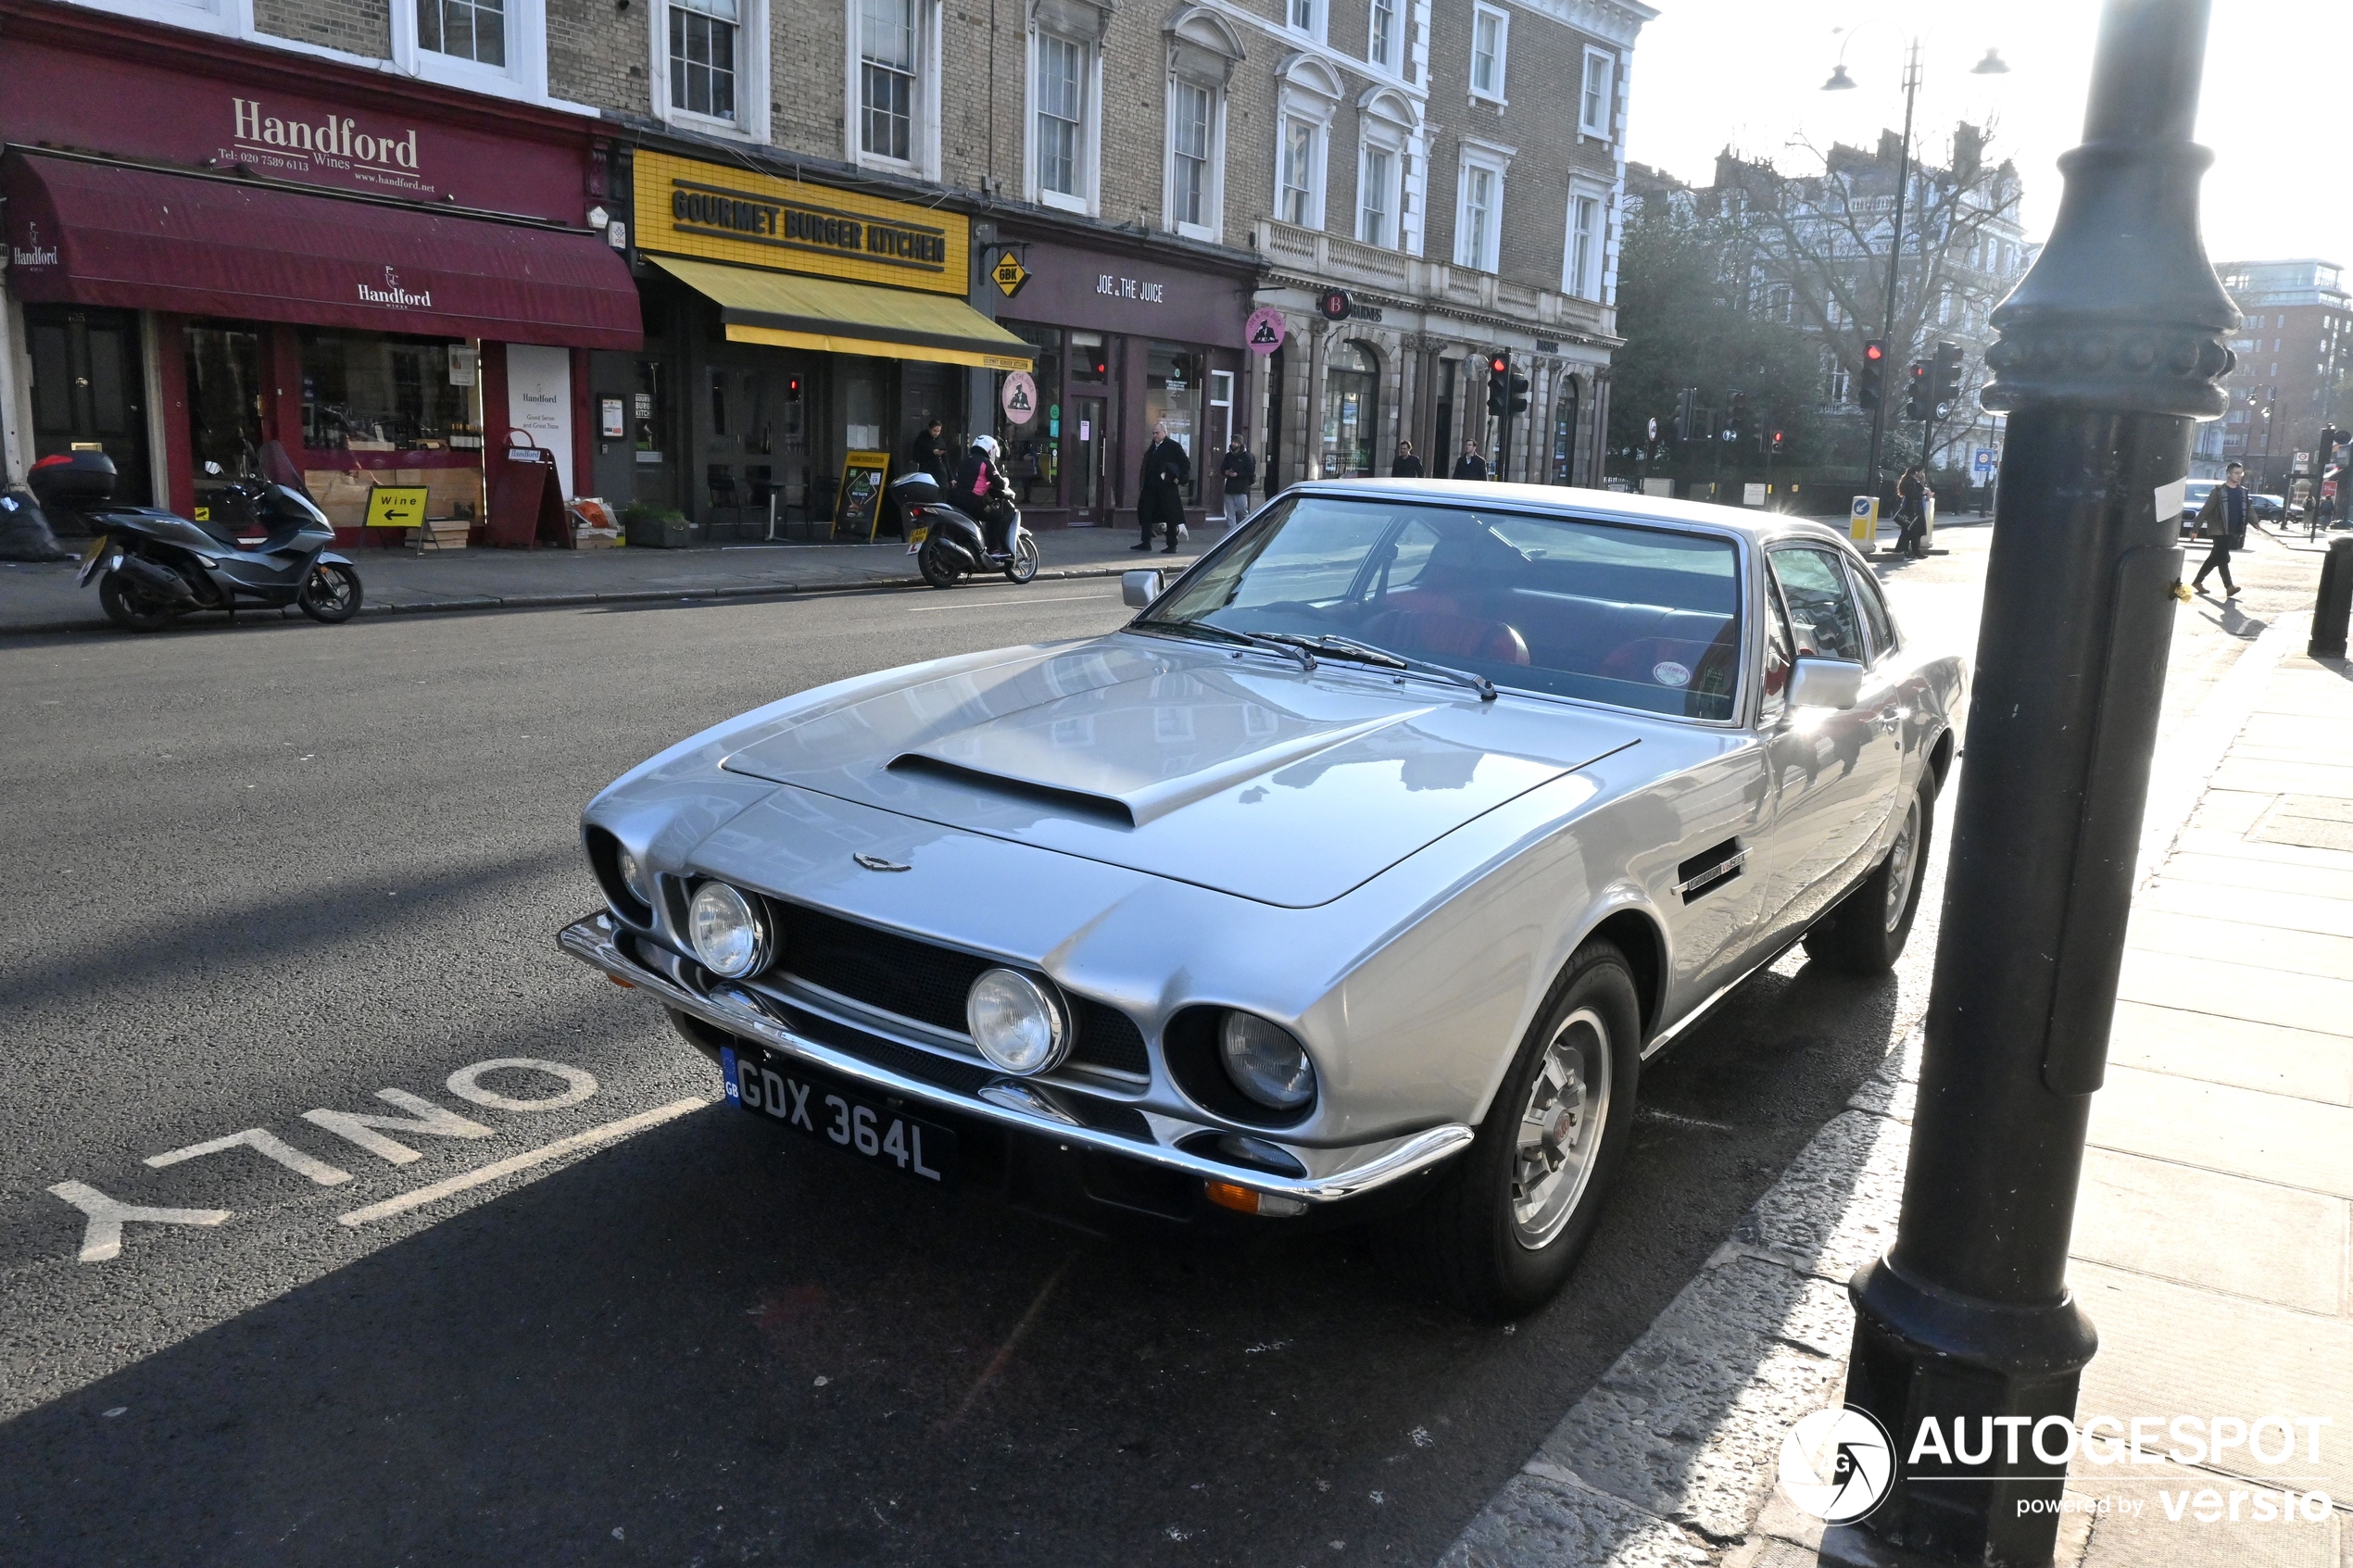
2110, 351
1839, 82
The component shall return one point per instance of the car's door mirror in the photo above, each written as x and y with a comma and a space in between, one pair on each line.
1816, 682
1138, 589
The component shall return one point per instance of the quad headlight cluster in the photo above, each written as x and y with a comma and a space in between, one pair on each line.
1265, 1062
1016, 1021
730, 933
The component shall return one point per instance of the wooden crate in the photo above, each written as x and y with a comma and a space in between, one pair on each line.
440, 533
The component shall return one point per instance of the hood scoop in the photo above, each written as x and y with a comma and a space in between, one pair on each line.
1103, 809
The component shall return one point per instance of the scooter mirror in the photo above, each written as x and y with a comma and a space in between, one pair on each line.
1138, 589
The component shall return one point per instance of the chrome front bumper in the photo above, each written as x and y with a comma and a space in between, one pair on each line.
744, 1013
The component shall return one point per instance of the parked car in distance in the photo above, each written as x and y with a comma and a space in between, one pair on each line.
1352, 879
2269, 508
2193, 496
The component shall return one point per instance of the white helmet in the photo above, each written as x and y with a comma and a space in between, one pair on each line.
986, 446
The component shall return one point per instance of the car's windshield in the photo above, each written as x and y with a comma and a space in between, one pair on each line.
1645, 618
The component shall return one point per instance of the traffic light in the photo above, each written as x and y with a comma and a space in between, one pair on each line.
1687, 414
1498, 389
1919, 405
1947, 373
1518, 404
1871, 385
1736, 423
1777, 444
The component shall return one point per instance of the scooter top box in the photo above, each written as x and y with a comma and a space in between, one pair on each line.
72, 479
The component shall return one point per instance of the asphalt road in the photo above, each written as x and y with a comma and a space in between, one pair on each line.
278, 868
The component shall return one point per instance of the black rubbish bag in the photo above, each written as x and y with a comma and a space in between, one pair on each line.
24, 531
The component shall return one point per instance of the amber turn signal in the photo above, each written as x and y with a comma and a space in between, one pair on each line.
624, 985
1226, 1194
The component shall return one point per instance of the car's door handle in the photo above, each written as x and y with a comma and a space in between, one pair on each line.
1890, 718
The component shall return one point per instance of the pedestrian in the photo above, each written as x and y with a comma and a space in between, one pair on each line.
1159, 491
1470, 465
931, 452
1239, 471
1407, 465
1912, 495
2223, 520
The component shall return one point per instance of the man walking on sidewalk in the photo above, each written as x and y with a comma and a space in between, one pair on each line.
2223, 520
1160, 498
1470, 465
1911, 511
1240, 470
1407, 466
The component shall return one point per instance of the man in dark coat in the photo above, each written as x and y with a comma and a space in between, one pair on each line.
1159, 491
930, 452
2223, 520
1408, 464
1239, 471
1470, 465
1911, 511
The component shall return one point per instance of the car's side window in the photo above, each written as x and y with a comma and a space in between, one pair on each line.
1822, 605
1779, 653
1875, 616
1409, 552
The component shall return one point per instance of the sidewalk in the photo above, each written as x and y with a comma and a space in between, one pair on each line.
2213, 1236
44, 598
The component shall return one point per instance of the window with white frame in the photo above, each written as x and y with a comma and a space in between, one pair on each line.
1306, 16
1191, 134
1061, 75
1382, 35
1581, 269
1595, 105
1300, 199
1479, 218
889, 83
464, 30
1377, 196
702, 56
1490, 39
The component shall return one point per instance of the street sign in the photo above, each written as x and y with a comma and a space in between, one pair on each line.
1752, 494
1983, 459
1653, 429
1263, 331
1019, 397
1009, 274
1863, 521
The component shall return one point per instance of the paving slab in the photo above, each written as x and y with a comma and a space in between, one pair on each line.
2301, 778
2251, 841
2296, 1143
2288, 910
1537, 1519
2202, 1228
2256, 946
2233, 989
2231, 1050
2128, 1538
2231, 811
2264, 876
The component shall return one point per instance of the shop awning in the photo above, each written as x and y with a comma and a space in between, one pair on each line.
85, 232
833, 317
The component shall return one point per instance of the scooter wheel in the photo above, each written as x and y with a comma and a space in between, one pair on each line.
934, 564
330, 594
131, 610
1024, 566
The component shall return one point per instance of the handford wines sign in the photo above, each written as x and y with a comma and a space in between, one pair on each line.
297, 145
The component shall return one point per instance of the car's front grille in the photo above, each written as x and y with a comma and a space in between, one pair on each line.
915, 979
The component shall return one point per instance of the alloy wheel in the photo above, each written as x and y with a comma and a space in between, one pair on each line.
1902, 862
1560, 1129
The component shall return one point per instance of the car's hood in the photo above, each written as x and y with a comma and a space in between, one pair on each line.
1236, 775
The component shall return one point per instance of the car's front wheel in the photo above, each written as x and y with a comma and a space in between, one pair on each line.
1508, 1221
1866, 931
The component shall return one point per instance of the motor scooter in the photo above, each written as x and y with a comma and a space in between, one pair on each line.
949, 544
264, 543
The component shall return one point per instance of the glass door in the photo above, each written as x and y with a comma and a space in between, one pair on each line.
1089, 442
224, 406
89, 390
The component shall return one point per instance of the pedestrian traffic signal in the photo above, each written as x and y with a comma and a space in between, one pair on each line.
1871, 386
1948, 373
1518, 404
1499, 391
1919, 405
1777, 444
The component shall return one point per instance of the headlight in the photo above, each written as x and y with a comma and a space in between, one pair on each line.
728, 934
1016, 1024
1265, 1063
633, 874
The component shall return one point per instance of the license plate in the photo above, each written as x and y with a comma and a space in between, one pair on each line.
823, 1109
90, 552
915, 537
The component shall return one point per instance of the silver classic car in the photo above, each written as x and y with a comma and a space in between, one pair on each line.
1356, 876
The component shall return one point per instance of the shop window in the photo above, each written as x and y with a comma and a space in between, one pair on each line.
702, 56
224, 400
1033, 449
372, 392
1490, 37
1061, 82
1173, 392
1352, 408
465, 30
890, 80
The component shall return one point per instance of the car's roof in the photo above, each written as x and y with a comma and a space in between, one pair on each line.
1758, 526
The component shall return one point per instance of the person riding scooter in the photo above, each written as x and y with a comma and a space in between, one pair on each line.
982, 491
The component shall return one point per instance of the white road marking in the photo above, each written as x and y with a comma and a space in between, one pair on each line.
429, 1119
102, 1239
264, 1143
609, 1132
466, 1083
983, 604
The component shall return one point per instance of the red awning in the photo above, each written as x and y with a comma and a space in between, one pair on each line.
90, 232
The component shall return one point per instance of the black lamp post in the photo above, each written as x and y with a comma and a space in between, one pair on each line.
2110, 350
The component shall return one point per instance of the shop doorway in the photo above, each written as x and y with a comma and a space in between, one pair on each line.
225, 404
1089, 489
89, 390
1352, 409
1441, 447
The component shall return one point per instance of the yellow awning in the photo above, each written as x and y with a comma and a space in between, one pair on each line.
790, 310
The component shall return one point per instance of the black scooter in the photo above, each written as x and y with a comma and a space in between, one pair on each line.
949, 545
264, 545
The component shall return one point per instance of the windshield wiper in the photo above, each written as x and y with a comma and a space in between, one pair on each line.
1364, 653
1285, 646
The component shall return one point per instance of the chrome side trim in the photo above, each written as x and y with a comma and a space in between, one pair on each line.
1714, 873
739, 1012
1667, 1036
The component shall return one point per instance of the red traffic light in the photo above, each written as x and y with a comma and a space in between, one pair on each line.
1501, 364
1874, 352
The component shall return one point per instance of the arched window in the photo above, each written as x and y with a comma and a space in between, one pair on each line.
1352, 408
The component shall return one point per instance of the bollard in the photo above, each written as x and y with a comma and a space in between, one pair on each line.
2336, 602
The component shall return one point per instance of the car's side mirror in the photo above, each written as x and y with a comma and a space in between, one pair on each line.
1138, 589
1825, 683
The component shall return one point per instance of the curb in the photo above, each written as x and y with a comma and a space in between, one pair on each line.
481, 602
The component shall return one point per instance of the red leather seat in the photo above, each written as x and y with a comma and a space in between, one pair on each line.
1435, 633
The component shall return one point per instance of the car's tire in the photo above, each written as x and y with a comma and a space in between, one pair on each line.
1494, 1244
330, 594
131, 610
1865, 932
934, 564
